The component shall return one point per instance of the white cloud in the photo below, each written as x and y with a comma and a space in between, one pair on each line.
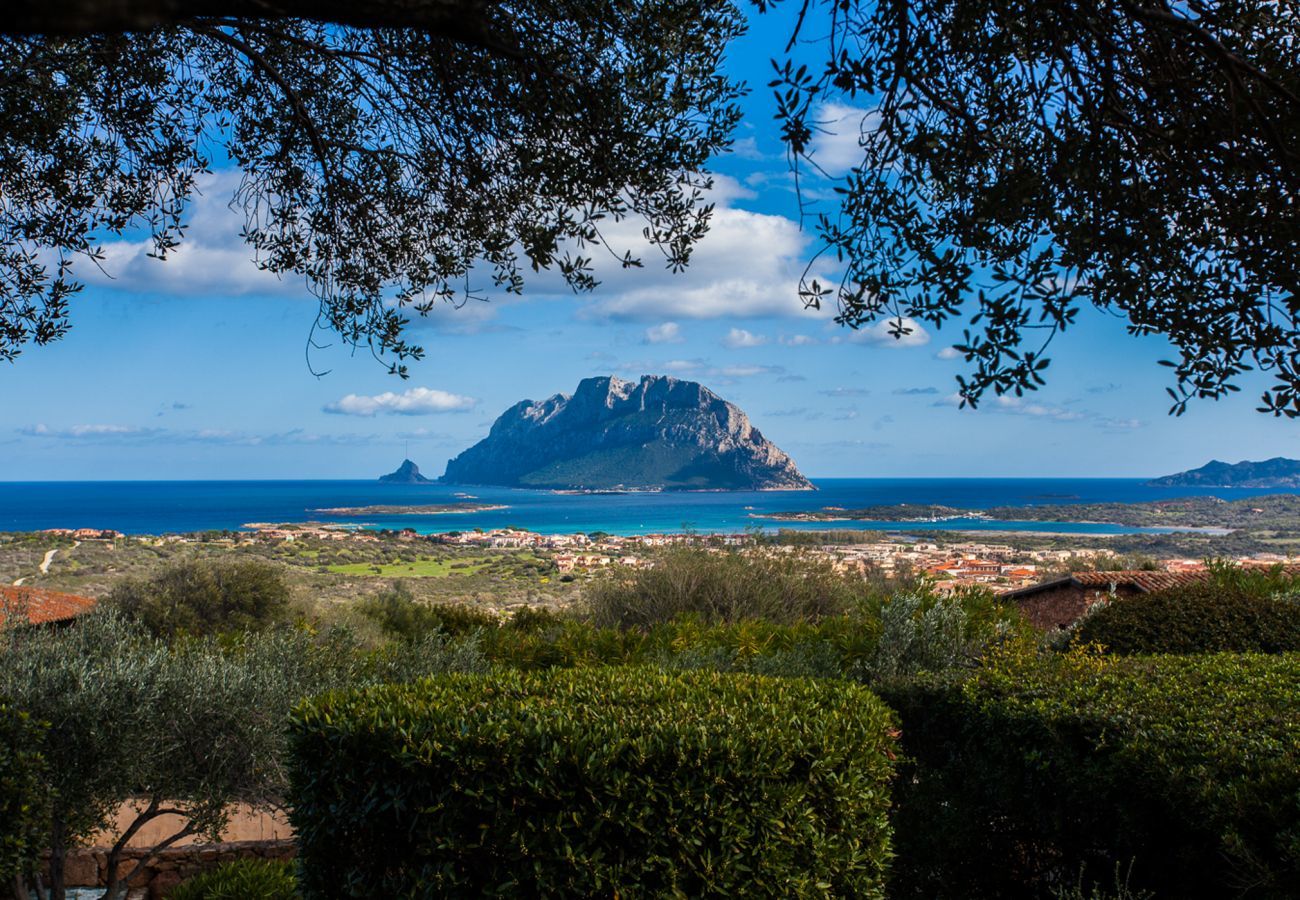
747, 371
747, 148
419, 401
667, 333
1019, 406
747, 266
797, 340
738, 337
882, 334
88, 431
949, 353
837, 137
129, 434
212, 257
681, 365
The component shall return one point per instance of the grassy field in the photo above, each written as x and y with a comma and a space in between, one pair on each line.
319, 572
421, 567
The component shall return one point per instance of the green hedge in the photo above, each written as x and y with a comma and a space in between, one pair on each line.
1233, 615
594, 782
1037, 769
22, 793
244, 879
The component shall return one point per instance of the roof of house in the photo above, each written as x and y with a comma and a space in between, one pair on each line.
41, 606
1143, 581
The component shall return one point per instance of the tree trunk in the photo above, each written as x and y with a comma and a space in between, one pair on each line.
58, 852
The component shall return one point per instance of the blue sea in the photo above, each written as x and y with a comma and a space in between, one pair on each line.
157, 507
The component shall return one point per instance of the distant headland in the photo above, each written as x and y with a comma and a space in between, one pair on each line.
658, 434
1278, 472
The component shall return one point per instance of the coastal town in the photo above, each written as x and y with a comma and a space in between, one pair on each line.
952, 562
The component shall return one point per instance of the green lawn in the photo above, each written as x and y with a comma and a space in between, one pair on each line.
424, 567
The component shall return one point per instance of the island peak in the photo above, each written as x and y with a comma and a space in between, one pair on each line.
407, 473
658, 433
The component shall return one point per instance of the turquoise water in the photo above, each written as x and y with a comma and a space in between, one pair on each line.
155, 507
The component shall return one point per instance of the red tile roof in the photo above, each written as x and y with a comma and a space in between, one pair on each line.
40, 605
1143, 581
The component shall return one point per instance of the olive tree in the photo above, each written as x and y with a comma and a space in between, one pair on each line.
1021, 159
394, 156
184, 730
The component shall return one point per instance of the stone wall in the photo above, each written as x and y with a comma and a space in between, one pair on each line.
86, 867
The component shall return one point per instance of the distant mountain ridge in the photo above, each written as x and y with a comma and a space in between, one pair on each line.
660, 433
1278, 472
407, 473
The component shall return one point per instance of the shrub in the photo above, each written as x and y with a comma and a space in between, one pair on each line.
401, 616
201, 597
22, 792
245, 879
597, 782
924, 633
722, 587
1036, 769
1240, 615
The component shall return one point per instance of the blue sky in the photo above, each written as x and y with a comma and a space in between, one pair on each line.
195, 368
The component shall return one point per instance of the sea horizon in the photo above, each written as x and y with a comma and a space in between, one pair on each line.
140, 507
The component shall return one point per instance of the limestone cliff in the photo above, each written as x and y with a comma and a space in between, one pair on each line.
656, 434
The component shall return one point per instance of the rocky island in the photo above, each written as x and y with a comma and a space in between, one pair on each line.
407, 473
1278, 472
658, 434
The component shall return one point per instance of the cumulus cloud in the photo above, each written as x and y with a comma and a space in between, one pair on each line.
797, 340
667, 333
915, 391
949, 353
738, 337
747, 266
418, 401
837, 137
211, 259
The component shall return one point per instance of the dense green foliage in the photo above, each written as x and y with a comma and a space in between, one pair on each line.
379, 163
722, 587
627, 782
1203, 618
400, 616
1021, 161
200, 597
1037, 768
241, 880
22, 791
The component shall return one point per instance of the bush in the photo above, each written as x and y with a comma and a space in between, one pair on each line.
201, 597
1240, 614
22, 793
1036, 769
245, 879
401, 616
598, 782
722, 587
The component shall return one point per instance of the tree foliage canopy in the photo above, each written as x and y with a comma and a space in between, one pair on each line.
389, 167
1023, 159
